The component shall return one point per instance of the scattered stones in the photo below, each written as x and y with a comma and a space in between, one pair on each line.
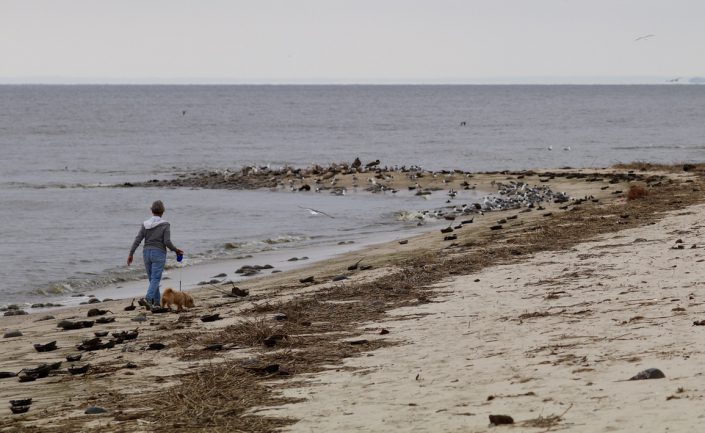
74, 358
48, 347
68, 325
236, 291
501, 419
125, 335
79, 370
12, 334
95, 410
97, 312
156, 346
210, 317
649, 373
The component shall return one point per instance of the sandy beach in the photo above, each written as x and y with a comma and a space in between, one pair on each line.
543, 319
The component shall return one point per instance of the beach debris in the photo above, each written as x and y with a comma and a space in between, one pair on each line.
19, 409
210, 317
94, 410
501, 419
280, 316
307, 280
366, 267
132, 306
69, 325
15, 313
79, 370
125, 335
448, 229
21, 402
32, 374
236, 291
450, 237
103, 320
214, 347
156, 346
74, 357
649, 373
12, 334
340, 277
48, 347
130, 365
97, 312
354, 266
267, 369
7, 374
358, 342
95, 344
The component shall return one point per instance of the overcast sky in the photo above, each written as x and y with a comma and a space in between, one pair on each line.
348, 41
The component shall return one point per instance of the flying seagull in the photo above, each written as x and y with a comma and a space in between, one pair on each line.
644, 37
316, 212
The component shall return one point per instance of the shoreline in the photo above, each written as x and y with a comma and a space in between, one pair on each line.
402, 276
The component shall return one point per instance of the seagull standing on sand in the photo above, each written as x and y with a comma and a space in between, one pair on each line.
315, 212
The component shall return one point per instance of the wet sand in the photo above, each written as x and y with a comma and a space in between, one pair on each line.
495, 322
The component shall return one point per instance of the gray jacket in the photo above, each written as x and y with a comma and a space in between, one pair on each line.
156, 234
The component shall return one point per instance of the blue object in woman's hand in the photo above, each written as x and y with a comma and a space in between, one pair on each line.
179, 257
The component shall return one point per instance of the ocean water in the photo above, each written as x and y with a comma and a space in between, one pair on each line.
64, 229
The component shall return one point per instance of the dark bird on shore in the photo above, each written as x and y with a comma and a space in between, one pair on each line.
640, 38
315, 212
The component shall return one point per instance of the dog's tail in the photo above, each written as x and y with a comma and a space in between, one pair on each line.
168, 290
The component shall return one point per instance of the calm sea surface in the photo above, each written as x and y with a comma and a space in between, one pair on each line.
64, 229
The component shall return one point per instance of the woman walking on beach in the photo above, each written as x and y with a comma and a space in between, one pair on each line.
157, 238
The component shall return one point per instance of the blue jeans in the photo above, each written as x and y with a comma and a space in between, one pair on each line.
154, 260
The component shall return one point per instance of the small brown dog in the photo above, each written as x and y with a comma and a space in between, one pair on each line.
180, 299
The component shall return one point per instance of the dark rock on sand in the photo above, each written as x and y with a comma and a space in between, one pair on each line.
340, 277
12, 334
236, 291
501, 419
447, 230
21, 402
7, 374
104, 320
94, 301
67, 324
74, 358
156, 346
214, 347
44, 318
496, 227
19, 409
221, 275
15, 313
131, 306
306, 280
210, 317
126, 335
383, 332
403, 242
96, 312
649, 373
95, 344
366, 267
100, 333
48, 347
95, 410
358, 342
450, 237
79, 370
130, 365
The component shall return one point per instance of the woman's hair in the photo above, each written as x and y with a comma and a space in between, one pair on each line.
158, 208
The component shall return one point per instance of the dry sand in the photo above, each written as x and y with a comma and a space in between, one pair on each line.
557, 334
552, 334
